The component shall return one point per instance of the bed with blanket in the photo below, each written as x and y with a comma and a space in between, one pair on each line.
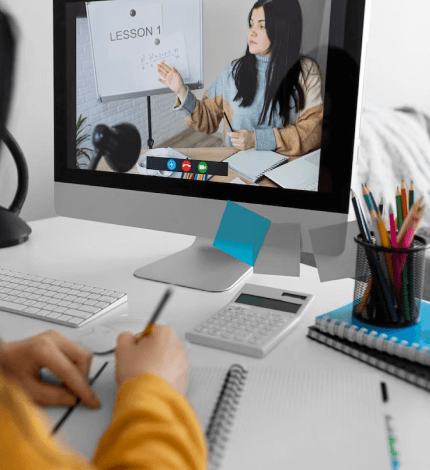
395, 145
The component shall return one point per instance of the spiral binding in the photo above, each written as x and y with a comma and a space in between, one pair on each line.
372, 340
224, 412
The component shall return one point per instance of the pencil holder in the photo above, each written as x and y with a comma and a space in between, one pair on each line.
389, 283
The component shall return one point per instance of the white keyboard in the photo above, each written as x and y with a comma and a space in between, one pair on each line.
54, 300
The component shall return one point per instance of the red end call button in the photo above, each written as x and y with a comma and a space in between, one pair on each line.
186, 165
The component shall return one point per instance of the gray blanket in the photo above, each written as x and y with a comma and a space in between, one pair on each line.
395, 145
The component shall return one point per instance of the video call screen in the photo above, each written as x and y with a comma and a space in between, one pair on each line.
247, 111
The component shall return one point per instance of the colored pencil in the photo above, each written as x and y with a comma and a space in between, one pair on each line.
399, 209
404, 200
381, 206
411, 195
415, 212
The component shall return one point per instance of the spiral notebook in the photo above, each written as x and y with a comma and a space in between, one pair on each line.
263, 418
251, 164
412, 372
412, 342
274, 418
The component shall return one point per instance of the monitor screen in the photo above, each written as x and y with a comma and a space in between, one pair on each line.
246, 102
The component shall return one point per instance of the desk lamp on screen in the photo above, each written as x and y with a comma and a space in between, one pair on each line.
95, 37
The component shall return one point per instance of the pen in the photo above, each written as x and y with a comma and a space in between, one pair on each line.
78, 400
150, 326
228, 122
359, 217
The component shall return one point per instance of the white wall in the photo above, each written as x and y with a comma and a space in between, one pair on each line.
397, 73
398, 57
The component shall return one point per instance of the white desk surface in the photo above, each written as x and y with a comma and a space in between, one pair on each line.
106, 255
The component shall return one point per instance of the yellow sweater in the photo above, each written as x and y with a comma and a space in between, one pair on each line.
153, 427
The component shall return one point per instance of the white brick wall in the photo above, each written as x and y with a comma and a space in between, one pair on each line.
165, 122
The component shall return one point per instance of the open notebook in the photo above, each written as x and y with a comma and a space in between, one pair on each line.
283, 418
251, 164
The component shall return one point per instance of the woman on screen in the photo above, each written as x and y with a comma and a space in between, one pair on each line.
271, 95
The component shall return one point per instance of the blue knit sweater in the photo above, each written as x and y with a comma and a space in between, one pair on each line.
206, 115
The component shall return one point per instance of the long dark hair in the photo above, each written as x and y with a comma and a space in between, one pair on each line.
284, 25
7, 66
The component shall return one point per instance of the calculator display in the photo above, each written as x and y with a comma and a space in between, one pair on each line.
263, 302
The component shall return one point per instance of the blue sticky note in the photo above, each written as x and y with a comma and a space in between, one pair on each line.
241, 233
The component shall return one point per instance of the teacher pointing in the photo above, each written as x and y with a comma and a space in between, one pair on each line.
271, 95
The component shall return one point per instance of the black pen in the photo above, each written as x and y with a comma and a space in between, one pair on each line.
228, 122
78, 400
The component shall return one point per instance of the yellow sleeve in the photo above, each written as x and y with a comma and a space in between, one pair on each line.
305, 134
153, 426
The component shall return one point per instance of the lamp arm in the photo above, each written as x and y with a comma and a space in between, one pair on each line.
21, 165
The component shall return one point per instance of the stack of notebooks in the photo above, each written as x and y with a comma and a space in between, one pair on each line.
402, 352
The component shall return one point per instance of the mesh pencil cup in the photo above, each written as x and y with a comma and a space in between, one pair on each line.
389, 283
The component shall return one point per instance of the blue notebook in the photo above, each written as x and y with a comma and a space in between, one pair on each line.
412, 342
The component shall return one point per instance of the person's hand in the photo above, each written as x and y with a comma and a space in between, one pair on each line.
172, 79
21, 361
160, 353
242, 139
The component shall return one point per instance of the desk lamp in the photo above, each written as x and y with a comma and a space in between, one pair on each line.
120, 146
13, 230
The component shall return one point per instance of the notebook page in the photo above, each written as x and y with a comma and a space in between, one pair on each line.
306, 420
252, 163
204, 386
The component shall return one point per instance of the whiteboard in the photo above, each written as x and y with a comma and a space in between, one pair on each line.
129, 37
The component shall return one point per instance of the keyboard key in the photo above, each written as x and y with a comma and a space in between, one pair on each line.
64, 317
89, 308
106, 298
53, 315
6, 304
77, 313
60, 309
76, 320
42, 313
74, 305
31, 310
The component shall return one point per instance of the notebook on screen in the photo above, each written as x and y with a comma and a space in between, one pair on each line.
301, 173
252, 164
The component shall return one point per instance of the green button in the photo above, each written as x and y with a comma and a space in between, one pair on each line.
202, 167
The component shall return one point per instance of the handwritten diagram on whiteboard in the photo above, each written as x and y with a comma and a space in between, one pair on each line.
169, 49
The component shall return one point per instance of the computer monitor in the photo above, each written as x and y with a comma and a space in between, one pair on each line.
103, 43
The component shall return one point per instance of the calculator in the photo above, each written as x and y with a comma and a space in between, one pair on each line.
254, 322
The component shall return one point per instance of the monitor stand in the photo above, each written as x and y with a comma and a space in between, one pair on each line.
200, 266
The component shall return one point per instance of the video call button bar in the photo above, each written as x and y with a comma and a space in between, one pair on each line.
187, 166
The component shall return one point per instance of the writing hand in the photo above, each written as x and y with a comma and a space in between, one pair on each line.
172, 78
21, 361
242, 139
